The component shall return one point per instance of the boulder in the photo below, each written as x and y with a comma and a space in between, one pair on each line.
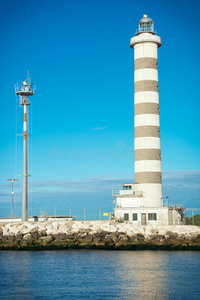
140, 236
34, 229
19, 237
88, 238
5, 231
34, 235
60, 236
100, 234
46, 239
110, 237
14, 230
27, 236
122, 237
49, 226
173, 235
63, 228
82, 234
70, 236
42, 233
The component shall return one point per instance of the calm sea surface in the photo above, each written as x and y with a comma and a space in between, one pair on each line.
99, 275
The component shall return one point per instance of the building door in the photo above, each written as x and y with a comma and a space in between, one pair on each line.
143, 219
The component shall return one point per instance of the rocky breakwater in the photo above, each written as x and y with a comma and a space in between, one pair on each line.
96, 235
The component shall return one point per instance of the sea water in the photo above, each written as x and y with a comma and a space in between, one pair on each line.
82, 274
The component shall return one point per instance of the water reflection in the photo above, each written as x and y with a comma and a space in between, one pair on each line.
159, 275
99, 275
144, 276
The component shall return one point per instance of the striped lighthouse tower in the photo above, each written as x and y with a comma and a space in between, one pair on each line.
141, 203
146, 116
24, 91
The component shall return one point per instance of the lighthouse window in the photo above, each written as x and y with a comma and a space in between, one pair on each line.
134, 217
126, 217
152, 217
127, 187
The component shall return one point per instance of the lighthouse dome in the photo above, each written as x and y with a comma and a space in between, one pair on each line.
145, 25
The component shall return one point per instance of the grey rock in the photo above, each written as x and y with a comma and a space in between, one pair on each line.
140, 236
4, 238
27, 236
35, 229
88, 238
100, 234
173, 235
82, 235
132, 237
70, 236
34, 235
19, 236
60, 236
110, 237
122, 237
47, 238
42, 233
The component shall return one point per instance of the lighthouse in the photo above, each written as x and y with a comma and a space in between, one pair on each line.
141, 203
146, 113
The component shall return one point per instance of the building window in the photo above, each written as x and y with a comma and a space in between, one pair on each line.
126, 217
134, 217
152, 217
125, 187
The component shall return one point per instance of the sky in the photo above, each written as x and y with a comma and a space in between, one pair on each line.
81, 117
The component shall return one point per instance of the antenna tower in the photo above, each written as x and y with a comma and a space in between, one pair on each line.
25, 90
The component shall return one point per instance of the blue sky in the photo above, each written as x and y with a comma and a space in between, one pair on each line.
81, 120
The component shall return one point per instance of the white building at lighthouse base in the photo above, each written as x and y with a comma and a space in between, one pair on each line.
132, 206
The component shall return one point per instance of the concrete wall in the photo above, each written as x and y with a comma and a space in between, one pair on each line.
164, 216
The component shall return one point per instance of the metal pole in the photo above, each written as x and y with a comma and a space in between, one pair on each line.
12, 202
25, 175
12, 193
70, 212
84, 213
99, 213
167, 200
193, 216
24, 91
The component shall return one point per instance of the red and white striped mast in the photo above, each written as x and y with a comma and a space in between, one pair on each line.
25, 90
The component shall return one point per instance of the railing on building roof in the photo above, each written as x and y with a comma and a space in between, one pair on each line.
166, 203
126, 193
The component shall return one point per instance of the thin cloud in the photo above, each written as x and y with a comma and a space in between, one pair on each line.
180, 186
99, 128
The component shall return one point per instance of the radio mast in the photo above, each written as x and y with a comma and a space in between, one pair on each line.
25, 90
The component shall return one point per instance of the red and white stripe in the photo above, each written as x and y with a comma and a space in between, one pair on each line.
25, 127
